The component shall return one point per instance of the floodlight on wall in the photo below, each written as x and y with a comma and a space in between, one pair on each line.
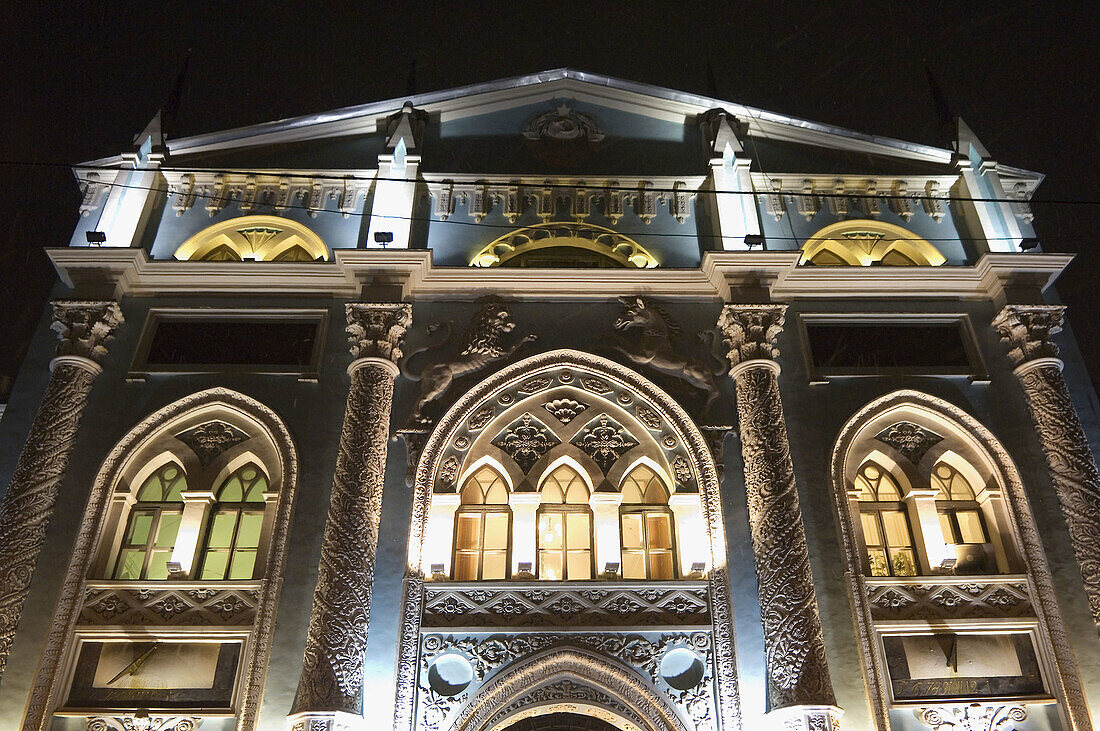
611, 569
95, 238
754, 240
437, 571
524, 569
1029, 243
383, 237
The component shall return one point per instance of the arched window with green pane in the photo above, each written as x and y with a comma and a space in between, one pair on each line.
153, 525
646, 527
233, 531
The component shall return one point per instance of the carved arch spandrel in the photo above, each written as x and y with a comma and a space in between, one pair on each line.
600, 378
119, 465
980, 440
566, 663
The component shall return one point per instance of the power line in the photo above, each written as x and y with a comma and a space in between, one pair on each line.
512, 182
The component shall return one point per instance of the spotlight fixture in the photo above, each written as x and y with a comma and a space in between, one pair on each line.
95, 237
1029, 243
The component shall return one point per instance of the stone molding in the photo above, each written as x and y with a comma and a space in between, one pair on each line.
46, 692
973, 717
1065, 682
804, 718
83, 329
155, 603
142, 721
593, 373
798, 672
545, 604
332, 668
949, 597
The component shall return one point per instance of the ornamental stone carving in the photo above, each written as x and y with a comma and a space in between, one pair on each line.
973, 717
563, 123
481, 346
798, 674
210, 439
526, 441
564, 409
156, 605
1027, 329
25, 510
604, 442
650, 344
949, 598
909, 439
142, 721
332, 672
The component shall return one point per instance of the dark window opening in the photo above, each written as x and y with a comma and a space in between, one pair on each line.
874, 348
286, 344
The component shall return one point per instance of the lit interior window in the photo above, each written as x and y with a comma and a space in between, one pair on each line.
233, 532
564, 527
885, 523
957, 505
646, 527
153, 525
482, 528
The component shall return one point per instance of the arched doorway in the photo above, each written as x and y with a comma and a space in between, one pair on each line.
500, 469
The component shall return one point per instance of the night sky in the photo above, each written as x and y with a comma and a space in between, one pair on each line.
80, 79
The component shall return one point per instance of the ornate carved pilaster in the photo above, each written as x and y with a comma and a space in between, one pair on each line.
330, 691
84, 329
798, 674
1027, 329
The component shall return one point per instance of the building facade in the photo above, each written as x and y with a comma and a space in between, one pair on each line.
557, 402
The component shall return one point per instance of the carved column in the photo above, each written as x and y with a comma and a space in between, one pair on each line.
1027, 330
800, 693
330, 691
84, 329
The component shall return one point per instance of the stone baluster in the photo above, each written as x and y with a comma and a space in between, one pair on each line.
84, 329
800, 693
330, 691
1027, 329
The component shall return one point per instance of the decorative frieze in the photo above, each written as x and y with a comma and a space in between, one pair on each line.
557, 605
963, 598
216, 190
83, 328
332, 670
1027, 330
142, 721
973, 717
798, 674
157, 605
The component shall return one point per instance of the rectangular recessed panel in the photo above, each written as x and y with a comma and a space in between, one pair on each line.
953, 665
225, 342
869, 348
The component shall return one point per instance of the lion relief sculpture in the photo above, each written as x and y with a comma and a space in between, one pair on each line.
436, 368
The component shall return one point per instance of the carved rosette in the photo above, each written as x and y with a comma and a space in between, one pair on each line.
330, 691
83, 329
798, 674
1027, 330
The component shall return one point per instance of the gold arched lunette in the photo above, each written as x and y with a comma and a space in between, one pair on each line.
864, 242
254, 238
623, 250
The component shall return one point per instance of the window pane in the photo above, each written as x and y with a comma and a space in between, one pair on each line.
550, 565
903, 562
468, 532
580, 565
497, 493
256, 491
577, 531
152, 491
213, 566
130, 563
897, 529
633, 565
871, 534
879, 564
140, 523
494, 565
550, 531
243, 564
947, 528
168, 527
248, 534
221, 529
660, 565
231, 491
632, 531
496, 531
466, 566
158, 564
658, 530
970, 526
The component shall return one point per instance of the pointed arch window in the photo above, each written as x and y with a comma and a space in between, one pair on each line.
233, 532
153, 526
646, 527
564, 527
887, 535
482, 528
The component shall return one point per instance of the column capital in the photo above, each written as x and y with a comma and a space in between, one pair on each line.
375, 330
84, 327
749, 331
1027, 330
